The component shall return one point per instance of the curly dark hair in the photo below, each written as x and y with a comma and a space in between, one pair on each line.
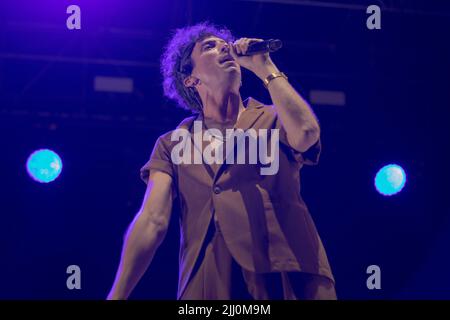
176, 62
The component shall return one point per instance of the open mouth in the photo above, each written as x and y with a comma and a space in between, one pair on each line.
227, 59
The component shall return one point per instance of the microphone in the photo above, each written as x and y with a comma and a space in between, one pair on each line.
270, 45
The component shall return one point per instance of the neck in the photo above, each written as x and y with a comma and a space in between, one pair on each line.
223, 106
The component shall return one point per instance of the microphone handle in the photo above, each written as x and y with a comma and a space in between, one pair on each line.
270, 45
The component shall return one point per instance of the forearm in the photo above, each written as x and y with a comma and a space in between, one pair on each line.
295, 114
141, 242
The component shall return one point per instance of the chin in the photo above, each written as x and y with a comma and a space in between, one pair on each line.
234, 73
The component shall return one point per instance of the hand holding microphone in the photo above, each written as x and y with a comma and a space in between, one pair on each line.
253, 54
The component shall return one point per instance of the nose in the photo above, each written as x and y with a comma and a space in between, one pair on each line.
225, 48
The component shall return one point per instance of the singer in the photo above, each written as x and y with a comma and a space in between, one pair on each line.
243, 235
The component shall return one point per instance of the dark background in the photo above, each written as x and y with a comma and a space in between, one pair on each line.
396, 82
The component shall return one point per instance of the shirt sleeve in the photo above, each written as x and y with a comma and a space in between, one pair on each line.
308, 157
160, 159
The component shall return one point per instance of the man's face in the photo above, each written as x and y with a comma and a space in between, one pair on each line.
214, 65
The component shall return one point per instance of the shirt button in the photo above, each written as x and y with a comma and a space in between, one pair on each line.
217, 189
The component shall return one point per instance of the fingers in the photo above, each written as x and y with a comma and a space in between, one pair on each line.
233, 51
242, 44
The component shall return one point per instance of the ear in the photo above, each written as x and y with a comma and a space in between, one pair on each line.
190, 81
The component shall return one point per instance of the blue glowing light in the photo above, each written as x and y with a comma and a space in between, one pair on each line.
44, 165
390, 180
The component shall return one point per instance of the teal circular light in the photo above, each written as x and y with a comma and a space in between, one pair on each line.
390, 180
44, 165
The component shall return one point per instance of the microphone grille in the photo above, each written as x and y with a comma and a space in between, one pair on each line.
275, 44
